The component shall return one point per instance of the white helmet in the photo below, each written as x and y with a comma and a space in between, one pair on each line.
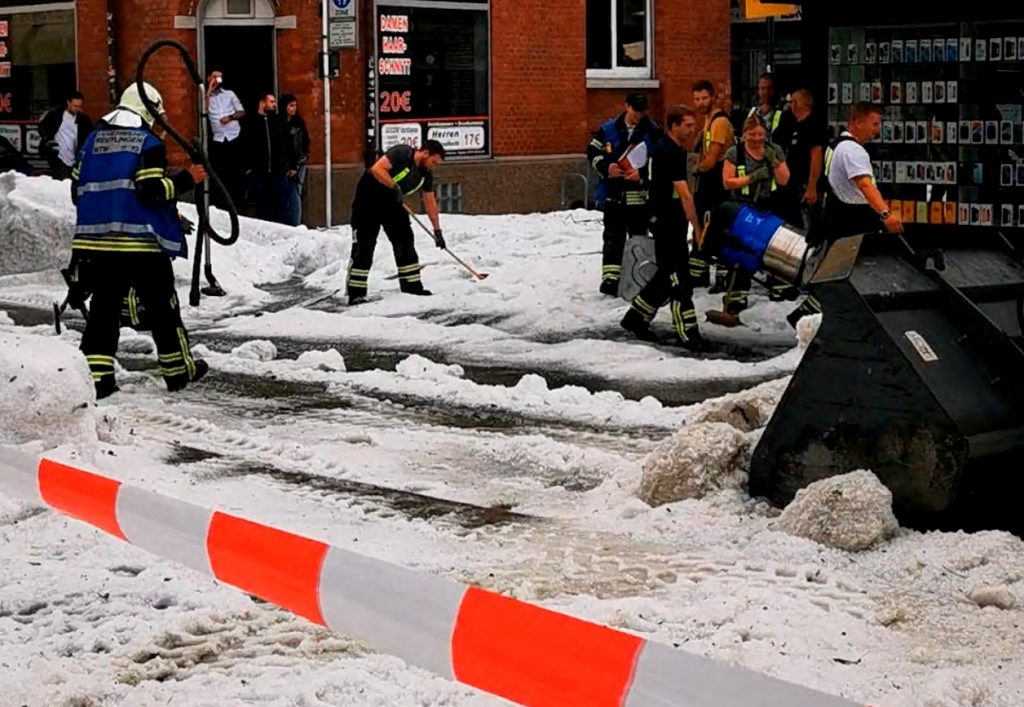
131, 100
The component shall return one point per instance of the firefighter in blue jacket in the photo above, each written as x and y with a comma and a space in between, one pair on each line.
622, 193
126, 233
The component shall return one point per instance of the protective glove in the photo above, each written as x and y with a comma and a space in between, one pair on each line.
399, 195
760, 174
771, 155
439, 239
187, 227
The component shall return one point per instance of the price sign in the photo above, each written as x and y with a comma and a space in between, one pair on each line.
393, 134
342, 34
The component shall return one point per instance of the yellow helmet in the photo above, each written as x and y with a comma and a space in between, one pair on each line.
131, 100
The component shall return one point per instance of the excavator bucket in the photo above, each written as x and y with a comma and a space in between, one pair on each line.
917, 374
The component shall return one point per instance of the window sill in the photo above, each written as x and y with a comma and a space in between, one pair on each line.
621, 83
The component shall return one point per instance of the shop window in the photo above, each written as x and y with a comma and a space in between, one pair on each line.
433, 76
619, 38
952, 131
38, 69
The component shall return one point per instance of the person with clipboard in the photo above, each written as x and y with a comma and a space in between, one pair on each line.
618, 150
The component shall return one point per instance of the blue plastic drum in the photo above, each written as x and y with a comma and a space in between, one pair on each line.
748, 239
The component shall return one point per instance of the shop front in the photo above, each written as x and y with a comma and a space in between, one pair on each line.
37, 66
951, 89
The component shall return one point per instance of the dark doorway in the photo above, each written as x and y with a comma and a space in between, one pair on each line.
245, 55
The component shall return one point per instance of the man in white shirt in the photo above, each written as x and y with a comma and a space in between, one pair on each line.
225, 111
853, 204
62, 134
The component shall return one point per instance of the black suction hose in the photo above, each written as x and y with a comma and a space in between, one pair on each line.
197, 152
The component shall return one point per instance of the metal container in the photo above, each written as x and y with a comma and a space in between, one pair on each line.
784, 256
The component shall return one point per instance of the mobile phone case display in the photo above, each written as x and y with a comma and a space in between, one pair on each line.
951, 148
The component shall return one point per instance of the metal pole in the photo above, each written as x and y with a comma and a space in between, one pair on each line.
770, 54
327, 111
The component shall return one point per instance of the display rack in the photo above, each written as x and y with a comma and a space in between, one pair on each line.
952, 144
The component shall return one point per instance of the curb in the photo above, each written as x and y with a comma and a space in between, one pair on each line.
518, 651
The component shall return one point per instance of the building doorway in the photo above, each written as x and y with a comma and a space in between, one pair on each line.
238, 39
249, 74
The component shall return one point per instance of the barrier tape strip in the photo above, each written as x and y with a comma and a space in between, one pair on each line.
519, 651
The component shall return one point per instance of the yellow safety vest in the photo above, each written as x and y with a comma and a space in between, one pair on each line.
774, 122
741, 171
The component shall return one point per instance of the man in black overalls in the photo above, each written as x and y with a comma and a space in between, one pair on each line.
380, 201
672, 209
852, 203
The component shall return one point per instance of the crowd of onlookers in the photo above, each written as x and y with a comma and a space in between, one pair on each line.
260, 157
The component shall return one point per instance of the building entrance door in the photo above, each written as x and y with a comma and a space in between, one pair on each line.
245, 55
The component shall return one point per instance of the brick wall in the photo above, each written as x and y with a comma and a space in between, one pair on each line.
538, 88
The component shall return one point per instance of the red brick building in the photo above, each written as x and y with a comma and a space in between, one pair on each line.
512, 87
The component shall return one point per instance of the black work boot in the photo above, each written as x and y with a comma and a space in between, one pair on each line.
105, 387
634, 323
179, 382
609, 287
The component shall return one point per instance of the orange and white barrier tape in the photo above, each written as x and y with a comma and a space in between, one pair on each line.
524, 653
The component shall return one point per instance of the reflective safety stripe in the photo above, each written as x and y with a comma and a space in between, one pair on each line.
111, 230
773, 124
168, 188
115, 227
636, 198
415, 267
400, 176
150, 173
112, 185
741, 171
115, 246
176, 371
416, 188
190, 363
133, 308
643, 306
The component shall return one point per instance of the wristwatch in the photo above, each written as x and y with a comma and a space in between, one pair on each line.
884, 214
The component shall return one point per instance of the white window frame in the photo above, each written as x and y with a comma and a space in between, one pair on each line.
628, 72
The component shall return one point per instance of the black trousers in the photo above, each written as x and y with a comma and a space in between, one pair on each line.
369, 214
228, 161
620, 221
672, 279
111, 277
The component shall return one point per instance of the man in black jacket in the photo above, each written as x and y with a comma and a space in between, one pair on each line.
266, 153
622, 191
62, 133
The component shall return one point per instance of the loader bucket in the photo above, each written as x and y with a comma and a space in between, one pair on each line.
916, 374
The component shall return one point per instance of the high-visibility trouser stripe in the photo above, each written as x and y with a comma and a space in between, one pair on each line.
167, 371
683, 320
190, 363
410, 278
100, 365
525, 653
811, 304
415, 267
636, 198
611, 269
133, 306
644, 309
735, 296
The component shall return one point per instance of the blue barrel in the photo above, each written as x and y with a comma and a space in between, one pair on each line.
748, 238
